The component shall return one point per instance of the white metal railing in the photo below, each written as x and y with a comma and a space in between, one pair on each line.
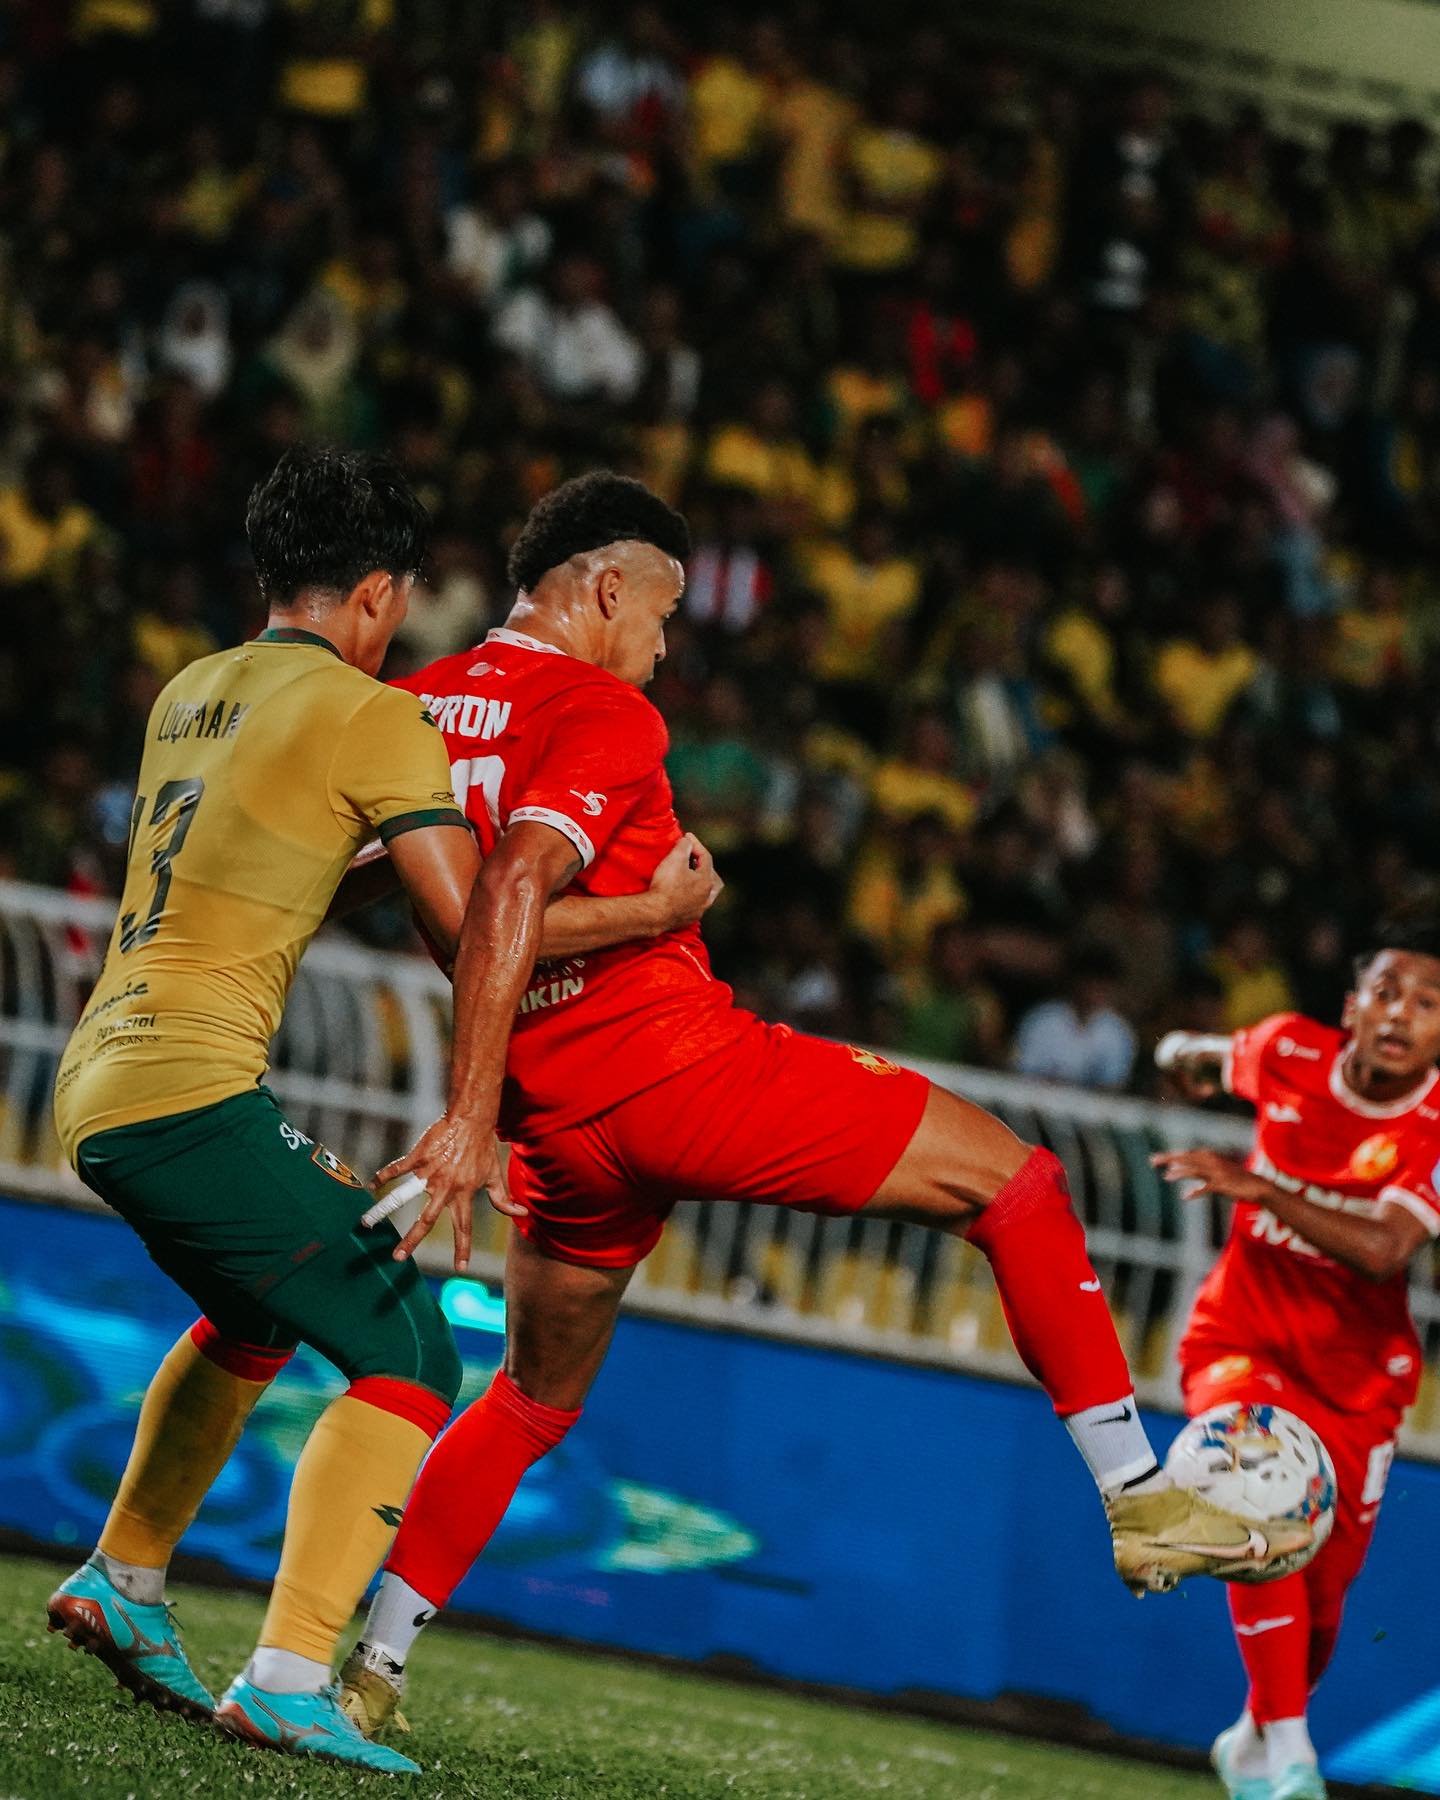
360, 1064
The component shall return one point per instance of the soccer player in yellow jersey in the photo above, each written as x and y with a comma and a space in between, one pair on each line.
265, 769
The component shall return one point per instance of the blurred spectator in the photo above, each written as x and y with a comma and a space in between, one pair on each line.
1081, 1039
1064, 467
949, 1012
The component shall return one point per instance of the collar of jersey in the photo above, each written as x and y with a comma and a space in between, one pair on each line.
502, 634
292, 634
1375, 1109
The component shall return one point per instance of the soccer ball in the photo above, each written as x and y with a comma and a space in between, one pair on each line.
1263, 1463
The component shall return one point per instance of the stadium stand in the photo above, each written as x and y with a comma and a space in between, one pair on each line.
1063, 463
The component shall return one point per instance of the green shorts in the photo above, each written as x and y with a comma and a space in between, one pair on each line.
261, 1228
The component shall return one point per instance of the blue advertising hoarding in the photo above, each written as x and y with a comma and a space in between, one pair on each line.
818, 1515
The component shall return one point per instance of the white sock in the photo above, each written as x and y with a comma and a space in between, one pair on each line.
1113, 1442
398, 1614
286, 1672
1249, 1755
1288, 1742
146, 1587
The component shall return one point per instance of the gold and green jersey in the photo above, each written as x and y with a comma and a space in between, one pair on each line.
265, 769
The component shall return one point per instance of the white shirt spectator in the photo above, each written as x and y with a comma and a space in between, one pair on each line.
1055, 1043
494, 259
574, 352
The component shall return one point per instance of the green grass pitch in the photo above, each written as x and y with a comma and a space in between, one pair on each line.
496, 1720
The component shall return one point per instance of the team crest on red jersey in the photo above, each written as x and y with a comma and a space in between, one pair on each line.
1375, 1158
877, 1065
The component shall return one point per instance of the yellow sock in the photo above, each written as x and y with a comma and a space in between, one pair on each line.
191, 1419
351, 1482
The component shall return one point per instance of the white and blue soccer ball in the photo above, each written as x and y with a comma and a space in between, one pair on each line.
1263, 1463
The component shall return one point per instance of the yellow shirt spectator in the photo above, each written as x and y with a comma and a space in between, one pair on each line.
1080, 646
895, 171
1251, 993
167, 646
728, 107
1201, 685
776, 469
864, 595
813, 121
899, 912
35, 546
332, 83
902, 791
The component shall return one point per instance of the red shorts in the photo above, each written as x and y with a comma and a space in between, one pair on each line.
774, 1117
1361, 1445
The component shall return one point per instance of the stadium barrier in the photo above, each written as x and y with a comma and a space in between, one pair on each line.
360, 1064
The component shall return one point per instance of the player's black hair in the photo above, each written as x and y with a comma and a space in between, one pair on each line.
1420, 936
587, 513
323, 519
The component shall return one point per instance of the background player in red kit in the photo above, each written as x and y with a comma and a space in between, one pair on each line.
627, 1079
1307, 1307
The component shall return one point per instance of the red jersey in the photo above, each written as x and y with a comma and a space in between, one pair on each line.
1349, 1340
535, 734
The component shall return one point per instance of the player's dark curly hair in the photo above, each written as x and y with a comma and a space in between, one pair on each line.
323, 519
1420, 935
588, 512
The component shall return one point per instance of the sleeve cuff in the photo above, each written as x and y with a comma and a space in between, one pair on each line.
390, 829
1413, 1204
544, 815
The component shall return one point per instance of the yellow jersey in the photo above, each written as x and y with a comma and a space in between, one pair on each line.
265, 769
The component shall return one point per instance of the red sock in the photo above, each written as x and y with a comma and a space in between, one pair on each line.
1053, 1304
1272, 1630
467, 1483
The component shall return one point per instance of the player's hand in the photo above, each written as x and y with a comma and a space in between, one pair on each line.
685, 885
454, 1159
1212, 1172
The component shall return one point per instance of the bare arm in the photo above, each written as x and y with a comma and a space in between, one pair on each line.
1378, 1246
1196, 1060
681, 890
438, 878
499, 940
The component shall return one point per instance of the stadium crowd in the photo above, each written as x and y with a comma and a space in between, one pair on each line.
1063, 465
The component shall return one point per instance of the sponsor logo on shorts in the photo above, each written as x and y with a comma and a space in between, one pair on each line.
1375, 1158
332, 1165
294, 1137
390, 1515
877, 1065
1229, 1368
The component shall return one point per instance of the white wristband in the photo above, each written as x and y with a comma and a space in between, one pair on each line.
406, 1189
1170, 1049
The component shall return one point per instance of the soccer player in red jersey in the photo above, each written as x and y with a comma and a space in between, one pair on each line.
1307, 1306
627, 1079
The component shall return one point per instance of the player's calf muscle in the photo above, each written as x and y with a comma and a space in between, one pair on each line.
958, 1160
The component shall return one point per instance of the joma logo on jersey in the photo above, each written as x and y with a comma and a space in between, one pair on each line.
467, 715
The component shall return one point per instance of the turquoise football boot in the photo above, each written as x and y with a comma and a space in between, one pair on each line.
139, 1645
304, 1725
1301, 1781
1237, 1786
